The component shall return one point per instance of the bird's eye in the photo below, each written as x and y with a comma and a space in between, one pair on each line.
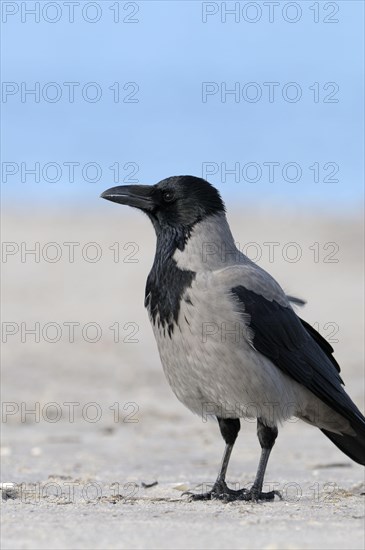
168, 196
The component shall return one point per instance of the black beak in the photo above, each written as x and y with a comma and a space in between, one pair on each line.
138, 196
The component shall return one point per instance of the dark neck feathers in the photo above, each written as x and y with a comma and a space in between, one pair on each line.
167, 283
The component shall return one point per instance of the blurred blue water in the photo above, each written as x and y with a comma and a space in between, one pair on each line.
257, 144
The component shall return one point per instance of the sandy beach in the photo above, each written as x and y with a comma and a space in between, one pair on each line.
88, 419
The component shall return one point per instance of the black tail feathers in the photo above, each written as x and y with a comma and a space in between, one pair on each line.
352, 445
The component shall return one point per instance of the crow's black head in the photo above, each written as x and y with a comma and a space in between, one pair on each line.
179, 201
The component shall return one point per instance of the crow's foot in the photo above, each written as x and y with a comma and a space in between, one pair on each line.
221, 491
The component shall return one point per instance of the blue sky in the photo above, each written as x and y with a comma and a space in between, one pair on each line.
292, 131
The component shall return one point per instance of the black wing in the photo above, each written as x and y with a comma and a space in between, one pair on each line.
298, 350
322, 342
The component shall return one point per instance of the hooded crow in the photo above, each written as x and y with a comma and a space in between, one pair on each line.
230, 343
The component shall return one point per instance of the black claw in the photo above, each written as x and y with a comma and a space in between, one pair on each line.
255, 497
220, 491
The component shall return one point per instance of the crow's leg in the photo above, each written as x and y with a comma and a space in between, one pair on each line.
267, 438
229, 429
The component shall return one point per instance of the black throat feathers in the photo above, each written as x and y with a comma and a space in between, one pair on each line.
166, 282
